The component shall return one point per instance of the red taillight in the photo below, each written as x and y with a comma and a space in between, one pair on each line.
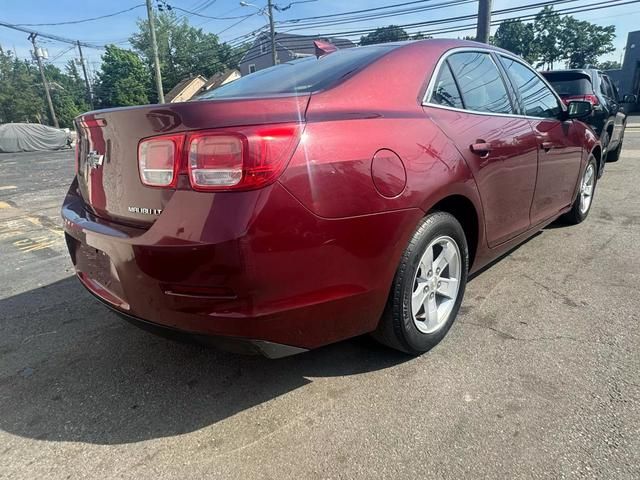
591, 98
215, 160
158, 160
241, 158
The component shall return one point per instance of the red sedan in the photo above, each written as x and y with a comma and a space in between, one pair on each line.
327, 197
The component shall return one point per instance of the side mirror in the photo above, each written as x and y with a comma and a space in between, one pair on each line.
579, 109
629, 99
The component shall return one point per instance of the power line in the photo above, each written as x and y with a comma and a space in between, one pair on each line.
466, 17
48, 35
207, 16
299, 42
377, 15
295, 20
73, 22
474, 16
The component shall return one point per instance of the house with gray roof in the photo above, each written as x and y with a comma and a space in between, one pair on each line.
288, 47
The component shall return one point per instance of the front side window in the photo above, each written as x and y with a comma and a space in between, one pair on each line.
480, 82
538, 99
445, 90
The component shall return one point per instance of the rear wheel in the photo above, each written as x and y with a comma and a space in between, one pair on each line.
428, 286
582, 204
604, 141
614, 155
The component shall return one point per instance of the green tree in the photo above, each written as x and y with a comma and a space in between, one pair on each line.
183, 50
583, 42
609, 65
21, 93
123, 79
420, 36
391, 33
67, 93
548, 27
517, 37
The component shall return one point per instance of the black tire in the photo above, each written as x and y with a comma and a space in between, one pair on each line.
397, 328
576, 215
614, 156
604, 141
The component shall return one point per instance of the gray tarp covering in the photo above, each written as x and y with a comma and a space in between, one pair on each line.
31, 137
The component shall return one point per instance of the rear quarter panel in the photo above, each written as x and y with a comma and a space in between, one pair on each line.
379, 108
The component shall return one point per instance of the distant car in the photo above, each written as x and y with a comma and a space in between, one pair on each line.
608, 118
327, 197
32, 137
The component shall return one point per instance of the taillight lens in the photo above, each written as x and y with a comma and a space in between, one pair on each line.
158, 160
242, 158
591, 98
248, 158
215, 160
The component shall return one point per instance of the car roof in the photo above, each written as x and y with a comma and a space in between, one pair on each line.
443, 44
590, 73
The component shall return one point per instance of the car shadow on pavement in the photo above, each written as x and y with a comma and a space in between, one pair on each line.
71, 370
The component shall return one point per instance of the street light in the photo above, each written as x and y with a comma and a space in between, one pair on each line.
269, 13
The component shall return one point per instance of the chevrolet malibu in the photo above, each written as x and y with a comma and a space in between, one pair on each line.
325, 198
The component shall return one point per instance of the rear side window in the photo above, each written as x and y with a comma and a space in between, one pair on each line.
537, 98
608, 88
480, 82
445, 91
306, 75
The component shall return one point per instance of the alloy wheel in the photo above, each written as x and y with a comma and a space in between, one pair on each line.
586, 188
436, 284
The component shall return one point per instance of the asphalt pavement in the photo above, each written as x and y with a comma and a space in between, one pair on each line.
538, 378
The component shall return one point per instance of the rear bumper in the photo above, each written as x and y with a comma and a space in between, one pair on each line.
243, 346
247, 265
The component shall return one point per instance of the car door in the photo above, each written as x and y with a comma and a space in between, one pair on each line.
611, 94
559, 150
475, 110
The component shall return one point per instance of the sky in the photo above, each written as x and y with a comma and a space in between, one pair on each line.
117, 29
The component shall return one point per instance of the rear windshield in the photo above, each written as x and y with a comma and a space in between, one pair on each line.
305, 75
567, 84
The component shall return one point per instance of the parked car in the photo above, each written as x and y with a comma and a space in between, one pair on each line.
608, 118
327, 197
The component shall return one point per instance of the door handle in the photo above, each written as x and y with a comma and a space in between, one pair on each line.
480, 148
546, 146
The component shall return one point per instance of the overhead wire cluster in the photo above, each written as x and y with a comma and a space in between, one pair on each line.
429, 27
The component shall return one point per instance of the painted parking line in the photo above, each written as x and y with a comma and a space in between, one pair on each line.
8, 187
19, 231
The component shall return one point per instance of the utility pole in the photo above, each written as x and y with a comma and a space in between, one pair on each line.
274, 54
86, 77
156, 60
36, 53
484, 21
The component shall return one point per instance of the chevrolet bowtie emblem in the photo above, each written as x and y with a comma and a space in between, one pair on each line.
94, 159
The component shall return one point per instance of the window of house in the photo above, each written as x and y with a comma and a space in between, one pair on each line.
263, 45
538, 99
445, 91
481, 84
252, 67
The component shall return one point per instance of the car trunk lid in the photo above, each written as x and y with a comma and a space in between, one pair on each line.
107, 155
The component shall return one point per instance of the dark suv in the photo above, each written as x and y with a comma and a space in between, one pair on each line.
608, 118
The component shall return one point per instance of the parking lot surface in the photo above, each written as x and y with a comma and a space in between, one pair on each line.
538, 378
